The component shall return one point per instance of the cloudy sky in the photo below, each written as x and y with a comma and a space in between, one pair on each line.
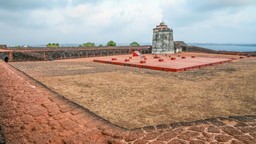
35, 22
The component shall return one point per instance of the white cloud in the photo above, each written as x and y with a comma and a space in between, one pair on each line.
76, 21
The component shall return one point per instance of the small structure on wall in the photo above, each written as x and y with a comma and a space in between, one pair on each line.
3, 46
163, 40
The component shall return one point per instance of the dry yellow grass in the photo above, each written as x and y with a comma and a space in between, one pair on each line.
132, 97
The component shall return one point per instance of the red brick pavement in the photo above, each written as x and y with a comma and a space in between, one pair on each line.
30, 113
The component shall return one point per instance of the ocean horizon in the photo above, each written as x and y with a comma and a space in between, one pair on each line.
227, 47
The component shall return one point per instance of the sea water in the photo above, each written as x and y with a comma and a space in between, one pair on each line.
228, 47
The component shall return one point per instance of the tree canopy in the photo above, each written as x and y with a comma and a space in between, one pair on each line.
111, 43
134, 44
88, 44
53, 45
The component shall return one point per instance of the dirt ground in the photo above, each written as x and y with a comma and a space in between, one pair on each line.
133, 97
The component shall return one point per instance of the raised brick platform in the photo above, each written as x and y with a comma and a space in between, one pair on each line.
163, 63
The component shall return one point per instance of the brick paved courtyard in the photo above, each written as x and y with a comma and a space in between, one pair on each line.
31, 113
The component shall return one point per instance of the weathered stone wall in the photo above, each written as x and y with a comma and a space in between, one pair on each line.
3, 46
4, 56
38, 54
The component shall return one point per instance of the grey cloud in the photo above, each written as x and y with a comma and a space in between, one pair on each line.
199, 10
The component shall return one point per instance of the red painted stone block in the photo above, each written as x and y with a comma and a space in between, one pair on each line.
127, 60
114, 58
136, 53
173, 58
160, 60
183, 57
156, 57
193, 56
142, 61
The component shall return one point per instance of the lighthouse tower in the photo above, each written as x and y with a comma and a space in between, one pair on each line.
162, 40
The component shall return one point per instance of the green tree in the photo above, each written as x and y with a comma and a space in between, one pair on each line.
53, 45
88, 44
100, 45
111, 43
134, 44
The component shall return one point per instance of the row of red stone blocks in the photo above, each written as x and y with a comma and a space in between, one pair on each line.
161, 68
139, 66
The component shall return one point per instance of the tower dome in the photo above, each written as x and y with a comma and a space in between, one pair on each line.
162, 23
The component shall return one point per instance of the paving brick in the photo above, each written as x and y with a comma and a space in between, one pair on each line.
36, 110
115, 141
241, 124
14, 122
253, 134
59, 117
149, 129
68, 124
223, 138
156, 142
197, 128
38, 137
215, 121
198, 122
54, 124
247, 129
175, 125
232, 131
253, 124
236, 142
196, 142
115, 133
246, 139
151, 136
242, 118
189, 135
177, 141
207, 137
26, 119
9, 114
53, 112
170, 135
76, 111
162, 126
141, 141
133, 135
213, 129
187, 123
41, 120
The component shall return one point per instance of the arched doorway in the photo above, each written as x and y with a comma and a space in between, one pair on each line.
6, 59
